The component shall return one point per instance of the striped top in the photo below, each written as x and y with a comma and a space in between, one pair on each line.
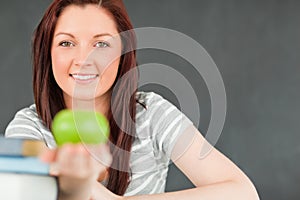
157, 129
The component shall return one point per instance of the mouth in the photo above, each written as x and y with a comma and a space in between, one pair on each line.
84, 78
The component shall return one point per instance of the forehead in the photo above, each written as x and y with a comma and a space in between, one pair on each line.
89, 18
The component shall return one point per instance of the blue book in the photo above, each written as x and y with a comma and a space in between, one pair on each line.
20, 147
23, 175
29, 165
20, 156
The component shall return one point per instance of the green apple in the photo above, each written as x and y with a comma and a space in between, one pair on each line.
69, 126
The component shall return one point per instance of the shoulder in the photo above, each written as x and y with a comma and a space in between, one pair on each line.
154, 106
27, 115
149, 99
149, 105
27, 124
160, 120
28, 112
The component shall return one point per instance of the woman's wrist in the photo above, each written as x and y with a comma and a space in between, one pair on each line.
78, 193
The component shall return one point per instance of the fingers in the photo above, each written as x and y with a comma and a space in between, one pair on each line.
78, 161
48, 155
78, 166
72, 160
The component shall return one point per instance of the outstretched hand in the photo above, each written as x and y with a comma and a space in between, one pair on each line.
78, 167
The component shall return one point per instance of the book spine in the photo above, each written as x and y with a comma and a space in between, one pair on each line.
20, 147
29, 165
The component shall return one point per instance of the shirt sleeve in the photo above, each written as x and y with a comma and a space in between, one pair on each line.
167, 124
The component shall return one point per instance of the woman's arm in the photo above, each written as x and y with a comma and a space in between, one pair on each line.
214, 176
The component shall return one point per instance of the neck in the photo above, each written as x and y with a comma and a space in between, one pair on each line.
100, 104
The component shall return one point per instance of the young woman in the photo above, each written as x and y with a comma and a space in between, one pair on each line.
79, 59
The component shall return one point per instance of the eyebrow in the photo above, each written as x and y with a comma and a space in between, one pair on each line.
95, 36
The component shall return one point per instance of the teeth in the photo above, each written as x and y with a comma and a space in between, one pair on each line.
84, 77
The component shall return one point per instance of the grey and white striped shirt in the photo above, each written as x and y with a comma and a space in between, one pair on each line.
157, 129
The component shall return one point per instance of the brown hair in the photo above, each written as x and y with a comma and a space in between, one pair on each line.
49, 96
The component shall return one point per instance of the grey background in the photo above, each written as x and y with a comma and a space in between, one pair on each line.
255, 45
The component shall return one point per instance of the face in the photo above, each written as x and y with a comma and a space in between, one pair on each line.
85, 52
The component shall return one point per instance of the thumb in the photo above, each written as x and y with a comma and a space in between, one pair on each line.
48, 156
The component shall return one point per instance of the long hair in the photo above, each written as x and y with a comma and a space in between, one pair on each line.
48, 95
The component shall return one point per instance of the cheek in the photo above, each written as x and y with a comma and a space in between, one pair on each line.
59, 66
107, 62
111, 72
109, 75
105, 59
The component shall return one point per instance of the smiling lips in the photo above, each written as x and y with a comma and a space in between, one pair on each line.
84, 78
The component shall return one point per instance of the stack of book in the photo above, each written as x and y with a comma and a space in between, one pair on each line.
22, 175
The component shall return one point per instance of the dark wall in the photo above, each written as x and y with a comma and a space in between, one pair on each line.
255, 45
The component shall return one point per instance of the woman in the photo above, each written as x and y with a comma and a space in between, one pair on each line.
80, 58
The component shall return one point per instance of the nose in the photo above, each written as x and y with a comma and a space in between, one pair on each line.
82, 57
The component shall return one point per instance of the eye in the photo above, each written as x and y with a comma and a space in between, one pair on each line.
66, 44
102, 44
